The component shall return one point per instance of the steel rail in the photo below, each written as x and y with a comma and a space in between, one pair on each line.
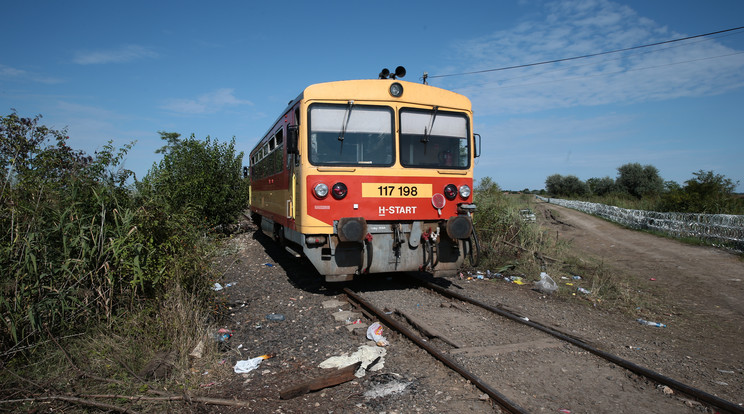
661, 379
451, 363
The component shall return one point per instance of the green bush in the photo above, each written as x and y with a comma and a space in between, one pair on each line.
203, 177
570, 185
707, 193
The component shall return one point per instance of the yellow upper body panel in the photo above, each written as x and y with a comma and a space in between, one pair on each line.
379, 90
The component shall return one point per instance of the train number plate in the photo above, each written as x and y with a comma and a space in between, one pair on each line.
396, 190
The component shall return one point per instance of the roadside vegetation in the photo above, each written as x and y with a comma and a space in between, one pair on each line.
102, 273
513, 246
519, 250
642, 188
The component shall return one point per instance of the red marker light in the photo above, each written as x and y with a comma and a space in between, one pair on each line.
339, 191
450, 191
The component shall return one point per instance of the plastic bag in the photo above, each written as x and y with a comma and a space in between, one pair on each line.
248, 365
374, 332
546, 284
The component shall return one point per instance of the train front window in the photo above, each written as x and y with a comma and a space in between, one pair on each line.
350, 134
434, 139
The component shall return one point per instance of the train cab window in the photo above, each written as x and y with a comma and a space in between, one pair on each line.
350, 134
434, 139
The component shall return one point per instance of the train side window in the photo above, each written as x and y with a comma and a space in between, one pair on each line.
279, 137
279, 151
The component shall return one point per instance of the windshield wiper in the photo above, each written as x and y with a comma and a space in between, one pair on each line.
345, 123
425, 139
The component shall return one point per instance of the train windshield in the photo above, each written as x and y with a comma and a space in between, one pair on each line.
351, 135
434, 139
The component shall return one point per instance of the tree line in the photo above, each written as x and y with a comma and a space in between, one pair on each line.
706, 192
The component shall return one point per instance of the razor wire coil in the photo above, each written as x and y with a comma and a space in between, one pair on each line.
726, 228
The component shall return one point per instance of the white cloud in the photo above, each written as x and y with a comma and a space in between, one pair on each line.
207, 103
123, 54
87, 111
7, 72
565, 29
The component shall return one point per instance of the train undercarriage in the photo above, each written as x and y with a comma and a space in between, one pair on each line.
359, 247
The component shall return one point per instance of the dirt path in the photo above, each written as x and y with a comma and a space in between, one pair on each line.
703, 280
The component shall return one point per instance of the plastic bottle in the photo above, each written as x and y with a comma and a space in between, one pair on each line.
222, 335
649, 323
275, 317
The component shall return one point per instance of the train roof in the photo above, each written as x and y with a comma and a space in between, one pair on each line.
378, 90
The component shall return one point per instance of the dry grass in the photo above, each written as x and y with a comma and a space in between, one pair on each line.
115, 362
517, 248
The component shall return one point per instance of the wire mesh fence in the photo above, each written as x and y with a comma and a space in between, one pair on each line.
716, 228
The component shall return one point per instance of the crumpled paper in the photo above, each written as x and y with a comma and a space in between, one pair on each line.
366, 353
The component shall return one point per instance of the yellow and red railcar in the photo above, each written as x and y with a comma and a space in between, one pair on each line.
369, 176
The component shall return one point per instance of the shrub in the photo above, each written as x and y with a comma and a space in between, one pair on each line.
500, 227
707, 192
203, 177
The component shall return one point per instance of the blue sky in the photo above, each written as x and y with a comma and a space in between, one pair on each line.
123, 71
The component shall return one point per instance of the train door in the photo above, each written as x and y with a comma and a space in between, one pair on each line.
292, 165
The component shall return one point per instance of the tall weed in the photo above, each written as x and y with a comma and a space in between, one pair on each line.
507, 240
76, 247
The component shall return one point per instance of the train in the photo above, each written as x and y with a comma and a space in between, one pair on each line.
369, 176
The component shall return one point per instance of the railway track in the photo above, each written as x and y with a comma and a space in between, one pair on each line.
482, 343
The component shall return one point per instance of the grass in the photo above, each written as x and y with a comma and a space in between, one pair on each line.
112, 362
514, 247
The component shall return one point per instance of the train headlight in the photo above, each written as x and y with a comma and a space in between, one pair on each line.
396, 89
464, 191
339, 191
320, 190
450, 191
